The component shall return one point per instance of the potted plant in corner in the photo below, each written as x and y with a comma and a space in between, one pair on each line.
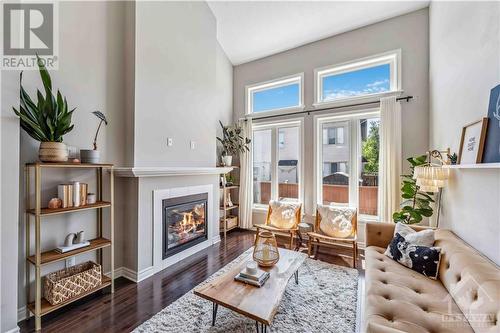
92, 155
416, 204
232, 143
47, 120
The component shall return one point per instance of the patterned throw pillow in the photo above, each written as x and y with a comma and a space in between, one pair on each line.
283, 214
414, 250
336, 221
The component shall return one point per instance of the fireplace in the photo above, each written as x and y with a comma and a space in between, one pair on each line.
184, 222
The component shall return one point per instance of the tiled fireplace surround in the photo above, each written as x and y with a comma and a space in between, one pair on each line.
141, 191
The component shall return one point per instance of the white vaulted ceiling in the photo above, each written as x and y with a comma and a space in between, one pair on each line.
249, 30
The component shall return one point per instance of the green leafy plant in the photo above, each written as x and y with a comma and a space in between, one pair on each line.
103, 119
48, 119
232, 141
416, 204
371, 147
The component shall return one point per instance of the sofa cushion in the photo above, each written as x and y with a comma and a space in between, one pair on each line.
336, 221
398, 298
472, 280
420, 238
420, 258
283, 214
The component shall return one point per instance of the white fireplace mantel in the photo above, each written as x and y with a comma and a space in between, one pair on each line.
169, 171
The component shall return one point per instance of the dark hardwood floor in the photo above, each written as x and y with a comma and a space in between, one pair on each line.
132, 304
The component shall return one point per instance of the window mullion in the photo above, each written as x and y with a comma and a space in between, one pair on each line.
274, 163
353, 165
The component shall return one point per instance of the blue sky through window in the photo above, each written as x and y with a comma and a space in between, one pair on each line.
359, 82
276, 98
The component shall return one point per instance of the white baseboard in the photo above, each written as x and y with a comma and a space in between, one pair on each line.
145, 273
13, 330
216, 239
21, 314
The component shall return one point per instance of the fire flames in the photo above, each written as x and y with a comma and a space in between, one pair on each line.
188, 223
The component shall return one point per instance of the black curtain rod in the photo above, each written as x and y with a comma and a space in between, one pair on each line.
404, 98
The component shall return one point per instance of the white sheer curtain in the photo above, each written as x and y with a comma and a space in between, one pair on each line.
390, 157
246, 181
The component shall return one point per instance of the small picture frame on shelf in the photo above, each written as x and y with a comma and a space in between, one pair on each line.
472, 142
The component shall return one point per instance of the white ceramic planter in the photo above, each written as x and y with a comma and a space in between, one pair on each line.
89, 156
227, 160
53, 152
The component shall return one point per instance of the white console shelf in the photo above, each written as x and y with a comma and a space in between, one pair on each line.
474, 166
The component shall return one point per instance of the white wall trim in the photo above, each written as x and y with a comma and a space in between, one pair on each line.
169, 171
14, 330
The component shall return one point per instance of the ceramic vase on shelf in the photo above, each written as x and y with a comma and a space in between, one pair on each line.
227, 160
265, 251
53, 152
89, 156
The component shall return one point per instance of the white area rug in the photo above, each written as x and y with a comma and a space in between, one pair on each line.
323, 301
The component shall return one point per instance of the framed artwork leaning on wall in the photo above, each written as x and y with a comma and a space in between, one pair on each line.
492, 145
472, 142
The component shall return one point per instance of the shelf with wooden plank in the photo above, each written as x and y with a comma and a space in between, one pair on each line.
230, 187
41, 306
229, 207
53, 256
54, 211
47, 307
68, 165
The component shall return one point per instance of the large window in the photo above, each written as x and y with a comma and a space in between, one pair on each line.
282, 94
277, 165
347, 171
363, 78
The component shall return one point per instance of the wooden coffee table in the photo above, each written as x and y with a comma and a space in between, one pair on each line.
259, 304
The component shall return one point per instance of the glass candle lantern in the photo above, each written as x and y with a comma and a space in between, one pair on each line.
265, 251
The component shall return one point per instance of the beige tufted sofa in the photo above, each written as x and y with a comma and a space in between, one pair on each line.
465, 298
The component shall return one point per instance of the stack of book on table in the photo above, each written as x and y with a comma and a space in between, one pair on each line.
258, 279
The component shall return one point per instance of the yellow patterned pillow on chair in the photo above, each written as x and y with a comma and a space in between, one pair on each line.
336, 221
283, 214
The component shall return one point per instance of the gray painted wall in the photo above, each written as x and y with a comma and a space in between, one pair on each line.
464, 66
408, 33
175, 84
9, 172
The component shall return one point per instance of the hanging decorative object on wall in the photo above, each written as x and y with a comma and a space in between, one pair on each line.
492, 146
472, 142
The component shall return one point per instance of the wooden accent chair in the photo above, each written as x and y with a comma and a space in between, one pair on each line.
291, 230
318, 238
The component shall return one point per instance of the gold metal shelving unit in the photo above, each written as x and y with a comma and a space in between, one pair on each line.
228, 211
40, 307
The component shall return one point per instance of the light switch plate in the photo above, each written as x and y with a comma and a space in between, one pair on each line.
193, 144
170, 142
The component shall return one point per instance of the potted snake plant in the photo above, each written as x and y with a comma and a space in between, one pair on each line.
47, 120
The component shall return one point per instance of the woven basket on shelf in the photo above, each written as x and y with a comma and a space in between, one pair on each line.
65, 284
